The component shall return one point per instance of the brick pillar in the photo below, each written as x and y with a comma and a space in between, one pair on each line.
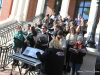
6, 9
51, 4
71, 8
32, 9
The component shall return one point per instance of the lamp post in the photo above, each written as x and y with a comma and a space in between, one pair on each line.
91, 41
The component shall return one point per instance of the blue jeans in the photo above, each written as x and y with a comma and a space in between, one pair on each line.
75, 67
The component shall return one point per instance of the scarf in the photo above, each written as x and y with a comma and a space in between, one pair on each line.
79, 46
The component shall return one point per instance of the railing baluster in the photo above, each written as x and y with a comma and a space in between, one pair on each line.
6, 33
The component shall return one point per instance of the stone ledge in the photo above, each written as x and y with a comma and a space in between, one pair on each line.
92, 51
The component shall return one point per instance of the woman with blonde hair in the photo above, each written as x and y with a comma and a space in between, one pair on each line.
52, 59
62, 41
55, 44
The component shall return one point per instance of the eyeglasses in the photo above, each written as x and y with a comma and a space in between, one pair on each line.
42, 28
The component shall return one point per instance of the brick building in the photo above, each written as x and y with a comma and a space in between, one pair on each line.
30, 8
21, 10
12, 10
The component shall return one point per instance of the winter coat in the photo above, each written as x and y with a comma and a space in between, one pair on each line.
52, 61
84, 29
18, 43
78, 57
72, 41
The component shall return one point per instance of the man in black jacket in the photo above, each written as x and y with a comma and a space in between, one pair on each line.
43, 39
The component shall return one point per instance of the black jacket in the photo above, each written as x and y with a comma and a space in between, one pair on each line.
84, 29
77, 57
52, 61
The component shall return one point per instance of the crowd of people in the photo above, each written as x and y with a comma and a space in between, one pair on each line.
61, 39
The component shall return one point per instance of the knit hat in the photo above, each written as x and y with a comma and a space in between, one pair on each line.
80, 37
59, 32
54, 33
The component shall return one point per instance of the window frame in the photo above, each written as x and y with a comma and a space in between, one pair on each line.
55, 7
1, 6
77, 7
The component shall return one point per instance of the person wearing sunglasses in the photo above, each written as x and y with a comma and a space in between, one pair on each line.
43, 38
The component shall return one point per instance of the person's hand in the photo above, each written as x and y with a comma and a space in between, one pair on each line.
52, 37
77, 51
69, 49
35, 41
37, 52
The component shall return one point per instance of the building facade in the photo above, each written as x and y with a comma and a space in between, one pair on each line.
35, 7
21, 10
12, 10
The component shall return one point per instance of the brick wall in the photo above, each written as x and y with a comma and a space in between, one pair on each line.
51, 4
6, 9
71, 8
32, 9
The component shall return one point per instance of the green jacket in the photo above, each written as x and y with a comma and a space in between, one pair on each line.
19, 35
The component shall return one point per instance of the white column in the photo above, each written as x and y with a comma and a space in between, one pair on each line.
14, 8
26, 9
40, 7
91, 17
92, 11
64, 8
20, 10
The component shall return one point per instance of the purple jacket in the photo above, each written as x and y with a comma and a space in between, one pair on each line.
79, 21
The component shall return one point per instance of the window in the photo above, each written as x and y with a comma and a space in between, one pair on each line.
1, 1
58, 6
83, 8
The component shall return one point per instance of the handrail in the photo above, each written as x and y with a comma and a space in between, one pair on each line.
7, 32
4, 52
